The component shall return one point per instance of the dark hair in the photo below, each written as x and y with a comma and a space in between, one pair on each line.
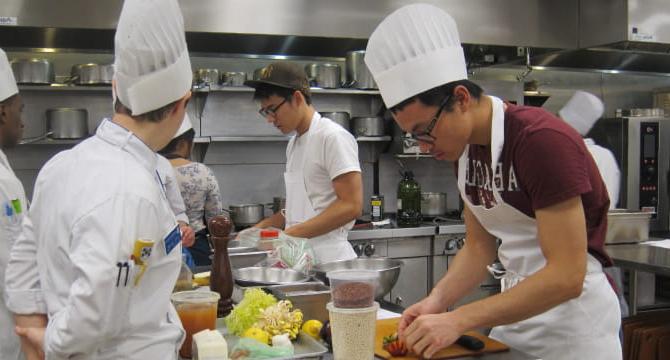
436, 95
171, 147
151, 116
264, 91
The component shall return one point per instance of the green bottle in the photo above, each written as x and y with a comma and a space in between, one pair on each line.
409, 201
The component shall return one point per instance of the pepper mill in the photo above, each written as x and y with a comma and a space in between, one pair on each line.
221, 279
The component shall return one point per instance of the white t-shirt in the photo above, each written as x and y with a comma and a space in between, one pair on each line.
332, 151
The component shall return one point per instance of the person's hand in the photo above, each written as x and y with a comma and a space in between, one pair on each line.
187, 235
32, 341
428, 334
429, 305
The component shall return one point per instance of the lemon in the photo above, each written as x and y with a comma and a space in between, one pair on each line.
202, 279
257, 334
312, 328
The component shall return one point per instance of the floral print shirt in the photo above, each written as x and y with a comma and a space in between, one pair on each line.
200, 191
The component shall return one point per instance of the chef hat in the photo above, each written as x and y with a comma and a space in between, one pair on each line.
152, 67
186, 125
7, 81
414, 49
582, 111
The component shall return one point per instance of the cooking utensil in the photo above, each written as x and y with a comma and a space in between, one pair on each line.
233, 78
67, 123
388, 269
206, 76
470, 342
358, 74
33, 71
368, 126
261, 276
433, 203
388, 327
247, 214
326, 76
340, 117
91, 74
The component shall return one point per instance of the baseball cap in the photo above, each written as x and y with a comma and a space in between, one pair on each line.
284, 74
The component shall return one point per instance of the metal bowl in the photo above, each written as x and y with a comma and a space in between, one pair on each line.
262, 276
389, 270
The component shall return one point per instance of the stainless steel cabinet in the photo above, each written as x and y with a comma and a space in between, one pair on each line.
412, 285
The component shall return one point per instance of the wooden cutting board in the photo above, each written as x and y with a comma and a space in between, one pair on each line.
389, 326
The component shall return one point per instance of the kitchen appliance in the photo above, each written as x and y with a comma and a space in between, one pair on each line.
358, 75
326, 76
91, 74
67, 123
339, 117
639, 141
433, 203
206, 77
261, 276
246, 214
233, 78
33, 71
388, 269
368, 126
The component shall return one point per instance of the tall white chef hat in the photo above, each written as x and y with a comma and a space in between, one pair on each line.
414, 49
582, 111
152, 67
186, 125
7, 81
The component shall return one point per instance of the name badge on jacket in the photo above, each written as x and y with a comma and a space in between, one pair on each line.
173, 239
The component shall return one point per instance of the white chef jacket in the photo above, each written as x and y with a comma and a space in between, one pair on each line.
14, 206
609, 169
169, 178
90, 205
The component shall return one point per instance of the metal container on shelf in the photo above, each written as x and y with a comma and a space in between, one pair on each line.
33, 71
627, 226
339, 117
358, 75
368, 126
233, 78
92, 74
206, 76
67, 123
326, 76
433, 203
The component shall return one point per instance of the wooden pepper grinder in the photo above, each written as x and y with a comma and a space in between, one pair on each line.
221, 279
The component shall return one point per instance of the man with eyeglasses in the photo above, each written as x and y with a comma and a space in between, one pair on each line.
324, 189
526, 178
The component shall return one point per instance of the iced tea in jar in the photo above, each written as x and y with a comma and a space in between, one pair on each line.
197, 311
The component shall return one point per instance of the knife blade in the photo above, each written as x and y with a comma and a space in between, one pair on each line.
470, 342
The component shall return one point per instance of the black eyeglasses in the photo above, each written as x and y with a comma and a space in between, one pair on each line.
425, 136
271, 111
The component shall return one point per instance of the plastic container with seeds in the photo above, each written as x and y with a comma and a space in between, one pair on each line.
352, 289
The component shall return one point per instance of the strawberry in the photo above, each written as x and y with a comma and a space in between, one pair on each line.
394, 346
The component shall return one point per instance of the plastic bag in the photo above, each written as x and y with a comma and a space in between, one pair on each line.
249, 237
250, 349
292, 253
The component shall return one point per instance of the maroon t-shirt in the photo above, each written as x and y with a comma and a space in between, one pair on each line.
543, 162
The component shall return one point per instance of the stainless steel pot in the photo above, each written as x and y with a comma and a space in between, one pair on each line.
206, 76
67, 123
340, 117
33, 71
368, 126
433, 203
233, 78
247, 214
326, 76
358, 75
257, 73
388, 269
92, 74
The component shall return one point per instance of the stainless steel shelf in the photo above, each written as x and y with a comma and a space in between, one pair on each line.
249, 138
341, 91
65, 87
55, 142
202, 140
413, 156
373, 138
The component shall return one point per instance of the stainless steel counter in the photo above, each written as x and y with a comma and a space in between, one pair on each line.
393, 232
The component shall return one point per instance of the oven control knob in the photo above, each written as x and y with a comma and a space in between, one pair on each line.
358, 249
369, 250
650, 170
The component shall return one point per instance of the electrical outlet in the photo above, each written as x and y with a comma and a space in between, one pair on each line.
520, 51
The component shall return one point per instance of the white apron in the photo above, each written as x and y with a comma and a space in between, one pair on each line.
332, 246
585, 327
10, 347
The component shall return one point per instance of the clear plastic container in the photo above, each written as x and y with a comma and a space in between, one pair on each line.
267, 240
353, 332
352, 289
197, 311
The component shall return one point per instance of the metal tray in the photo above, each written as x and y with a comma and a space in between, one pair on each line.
627, 226
305, 346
